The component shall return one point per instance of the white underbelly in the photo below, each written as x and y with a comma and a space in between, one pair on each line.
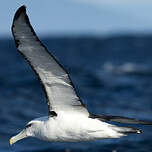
65, 128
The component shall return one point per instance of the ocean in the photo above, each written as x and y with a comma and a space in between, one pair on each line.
111, 75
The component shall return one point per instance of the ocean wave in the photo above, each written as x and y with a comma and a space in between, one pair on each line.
127, 68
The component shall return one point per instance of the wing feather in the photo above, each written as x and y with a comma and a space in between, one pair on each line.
58, 87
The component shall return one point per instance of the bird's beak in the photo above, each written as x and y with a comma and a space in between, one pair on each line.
19, 136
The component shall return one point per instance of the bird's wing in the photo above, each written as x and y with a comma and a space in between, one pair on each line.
59, 90
120, 119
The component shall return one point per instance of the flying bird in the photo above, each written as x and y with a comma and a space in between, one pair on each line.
68, 119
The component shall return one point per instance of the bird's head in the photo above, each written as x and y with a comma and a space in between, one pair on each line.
29, 131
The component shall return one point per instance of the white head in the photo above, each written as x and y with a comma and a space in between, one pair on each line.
32, 129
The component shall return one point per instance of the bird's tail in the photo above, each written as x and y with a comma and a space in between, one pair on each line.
122, 131
126, 130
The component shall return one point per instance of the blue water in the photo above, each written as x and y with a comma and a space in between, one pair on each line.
111, 75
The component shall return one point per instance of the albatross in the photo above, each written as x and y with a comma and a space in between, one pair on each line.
68, 119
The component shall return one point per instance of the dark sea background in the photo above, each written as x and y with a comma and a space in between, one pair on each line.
112, 76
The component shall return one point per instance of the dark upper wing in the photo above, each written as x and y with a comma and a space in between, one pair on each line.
58, 87
120, 119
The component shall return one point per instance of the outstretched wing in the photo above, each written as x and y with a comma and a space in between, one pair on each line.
59, 90
120, 119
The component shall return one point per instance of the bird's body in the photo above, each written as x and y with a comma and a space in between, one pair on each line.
72, 128
68, 119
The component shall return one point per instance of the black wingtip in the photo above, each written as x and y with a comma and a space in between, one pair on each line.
21, 10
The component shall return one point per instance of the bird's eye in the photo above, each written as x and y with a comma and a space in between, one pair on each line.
29, 125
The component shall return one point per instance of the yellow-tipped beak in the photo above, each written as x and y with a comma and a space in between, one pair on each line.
11, 141
18, 137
